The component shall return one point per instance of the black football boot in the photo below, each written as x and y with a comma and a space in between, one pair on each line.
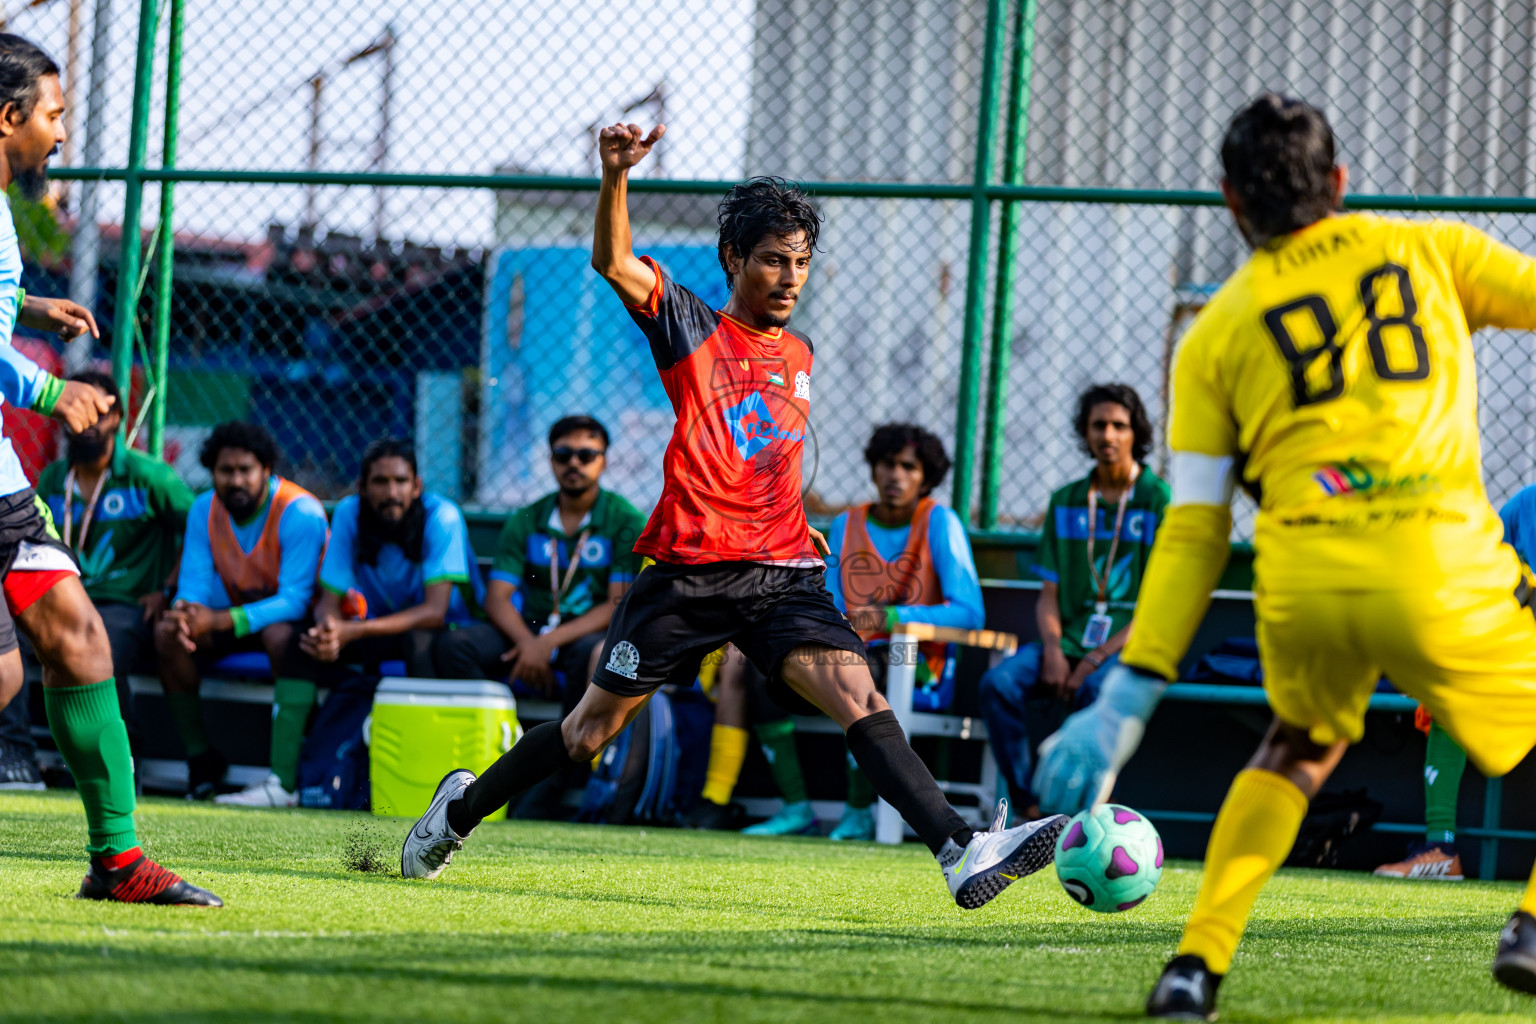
142, 881
1515, 966
1186, 991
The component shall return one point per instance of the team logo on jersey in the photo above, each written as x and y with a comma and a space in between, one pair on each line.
753, 428
624, 660
1343, 478
803, 385
1352, 477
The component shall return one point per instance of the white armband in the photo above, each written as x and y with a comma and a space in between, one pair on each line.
1202, 479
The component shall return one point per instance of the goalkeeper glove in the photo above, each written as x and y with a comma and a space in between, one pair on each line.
1079, 762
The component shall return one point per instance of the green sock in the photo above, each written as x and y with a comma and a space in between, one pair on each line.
88, 727
860, 793
187, 713
1444, 763
778, 740
292, 701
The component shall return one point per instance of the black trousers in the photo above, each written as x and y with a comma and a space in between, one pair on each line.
413, 647
474, 652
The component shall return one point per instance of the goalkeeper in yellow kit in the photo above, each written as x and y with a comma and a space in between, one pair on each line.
1333, 377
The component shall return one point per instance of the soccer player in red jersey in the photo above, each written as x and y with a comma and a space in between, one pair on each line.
735, 560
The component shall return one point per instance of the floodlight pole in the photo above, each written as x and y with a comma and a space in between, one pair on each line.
976, 266
1015, 152
381, 159
126, 310
312, 192
165, 251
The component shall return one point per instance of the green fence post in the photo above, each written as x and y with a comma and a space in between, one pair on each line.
166, 251
126, 313
1493, 800
1014, 154
976, 264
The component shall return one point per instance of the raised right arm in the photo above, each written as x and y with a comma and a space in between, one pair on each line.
621, 146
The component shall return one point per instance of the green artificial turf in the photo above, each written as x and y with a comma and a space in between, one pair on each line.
566, 923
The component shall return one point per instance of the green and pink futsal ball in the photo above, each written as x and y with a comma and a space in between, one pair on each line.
1109, 858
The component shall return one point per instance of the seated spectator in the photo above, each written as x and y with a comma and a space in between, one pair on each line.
248, 568
122, 513
902, 558
1094, 547
1437, 857
561, 564
398, 571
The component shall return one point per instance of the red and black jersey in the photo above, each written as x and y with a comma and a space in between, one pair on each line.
732, 469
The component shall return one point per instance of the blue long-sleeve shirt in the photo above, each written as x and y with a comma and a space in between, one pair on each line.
301, 537
952, 561
1519, 515
22, 382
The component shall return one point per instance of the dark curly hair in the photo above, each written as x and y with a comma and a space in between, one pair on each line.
888, 441
241, 434
1122, 395
762, 207
1278, 156
22, 64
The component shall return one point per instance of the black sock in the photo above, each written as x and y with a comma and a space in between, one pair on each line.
903, 781
538, 755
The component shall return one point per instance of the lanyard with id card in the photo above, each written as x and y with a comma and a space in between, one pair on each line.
558, 586
90, 508
1100, 622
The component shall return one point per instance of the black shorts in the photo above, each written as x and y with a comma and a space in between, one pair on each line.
27, 544
674, 615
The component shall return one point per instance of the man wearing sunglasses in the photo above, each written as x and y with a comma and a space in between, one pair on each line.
561, 564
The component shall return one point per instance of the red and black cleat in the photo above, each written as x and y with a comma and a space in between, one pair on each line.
131, 877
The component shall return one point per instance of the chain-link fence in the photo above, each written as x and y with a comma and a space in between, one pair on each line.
382, 218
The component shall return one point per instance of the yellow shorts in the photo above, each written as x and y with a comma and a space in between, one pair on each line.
1467, 649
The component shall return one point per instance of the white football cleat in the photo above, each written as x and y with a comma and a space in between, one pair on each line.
430, 844
267, 793
993, 860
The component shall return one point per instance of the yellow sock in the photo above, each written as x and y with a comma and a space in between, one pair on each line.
1528, 904
1254, 832
727, 751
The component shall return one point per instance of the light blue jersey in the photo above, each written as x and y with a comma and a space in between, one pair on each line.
396, 583
1519, 515
952, 562
300, 533
22, 382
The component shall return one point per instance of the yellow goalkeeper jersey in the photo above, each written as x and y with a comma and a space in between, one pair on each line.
1333, 376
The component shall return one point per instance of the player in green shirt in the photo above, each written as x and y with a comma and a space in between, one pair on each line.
1094, 547
122, 513
561, 565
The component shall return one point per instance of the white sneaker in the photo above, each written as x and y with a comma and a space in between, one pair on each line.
430, 844
267, 793
991, 861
